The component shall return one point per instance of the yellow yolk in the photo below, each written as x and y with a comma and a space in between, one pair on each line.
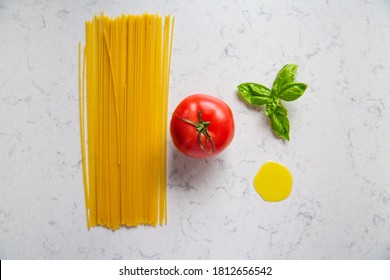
273, 182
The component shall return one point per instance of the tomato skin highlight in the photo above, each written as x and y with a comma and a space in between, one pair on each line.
184, 134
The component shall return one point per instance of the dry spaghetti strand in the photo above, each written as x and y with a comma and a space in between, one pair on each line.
125, 74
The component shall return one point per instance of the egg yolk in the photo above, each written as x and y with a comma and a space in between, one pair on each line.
273, 182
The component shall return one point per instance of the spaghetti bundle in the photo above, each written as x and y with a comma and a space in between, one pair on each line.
123, 88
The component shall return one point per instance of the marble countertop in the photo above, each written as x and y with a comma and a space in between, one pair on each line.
339, 153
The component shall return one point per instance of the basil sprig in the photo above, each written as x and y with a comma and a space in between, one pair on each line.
284, 88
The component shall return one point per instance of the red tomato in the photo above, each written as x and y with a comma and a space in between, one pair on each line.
202, 126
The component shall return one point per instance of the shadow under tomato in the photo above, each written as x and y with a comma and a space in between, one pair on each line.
186, 172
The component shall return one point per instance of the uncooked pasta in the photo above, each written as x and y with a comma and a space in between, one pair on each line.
123, 88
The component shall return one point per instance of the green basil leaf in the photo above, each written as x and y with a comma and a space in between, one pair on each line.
254, 94
281, 109
280, 123
284, 88
285, 76
258, 100
293, 91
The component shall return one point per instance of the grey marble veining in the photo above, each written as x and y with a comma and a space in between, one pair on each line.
339, 152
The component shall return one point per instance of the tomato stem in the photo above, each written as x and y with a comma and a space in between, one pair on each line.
201, 128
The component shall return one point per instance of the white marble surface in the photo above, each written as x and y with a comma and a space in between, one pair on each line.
339, 152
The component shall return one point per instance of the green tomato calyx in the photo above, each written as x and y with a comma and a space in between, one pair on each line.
201, 128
